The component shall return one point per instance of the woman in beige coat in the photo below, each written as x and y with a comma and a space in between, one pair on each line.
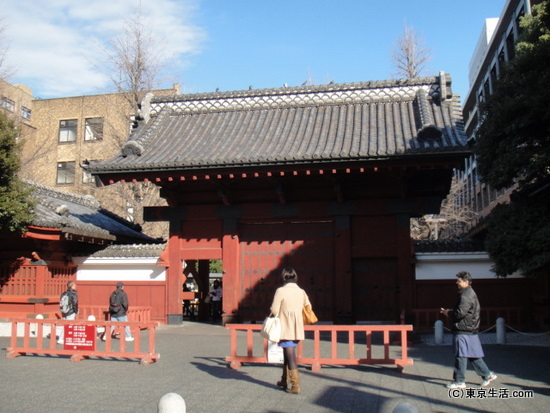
288, 304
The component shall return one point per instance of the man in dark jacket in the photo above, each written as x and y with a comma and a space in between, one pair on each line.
464, 318
118, 306
72, 304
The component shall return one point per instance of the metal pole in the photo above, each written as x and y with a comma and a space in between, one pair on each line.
438, 329
501, 331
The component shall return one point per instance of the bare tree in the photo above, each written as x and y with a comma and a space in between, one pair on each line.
135, 60
135, 63
5, 70
452, 221
410, 54
128, 199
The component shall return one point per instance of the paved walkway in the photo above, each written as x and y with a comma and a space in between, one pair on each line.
192, 364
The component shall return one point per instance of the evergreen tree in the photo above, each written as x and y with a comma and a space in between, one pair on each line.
513, 150
16, 208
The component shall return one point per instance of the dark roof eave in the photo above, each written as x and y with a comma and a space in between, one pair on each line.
97, 238
286, 163
88, 234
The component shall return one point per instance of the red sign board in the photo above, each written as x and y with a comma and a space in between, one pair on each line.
79, 337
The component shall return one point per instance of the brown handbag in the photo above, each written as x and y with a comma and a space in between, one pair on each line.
308, 315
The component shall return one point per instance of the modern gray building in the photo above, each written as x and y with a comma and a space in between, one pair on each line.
496, 46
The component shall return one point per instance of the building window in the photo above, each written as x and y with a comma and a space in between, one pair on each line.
67, 130
511, 46
87, 177
93, 129
8, 104
475, 176
501, 59
25, 113
520, 15
479, 203
493, 75
65, 173
486, 88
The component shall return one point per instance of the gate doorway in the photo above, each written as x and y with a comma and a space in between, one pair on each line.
198, 279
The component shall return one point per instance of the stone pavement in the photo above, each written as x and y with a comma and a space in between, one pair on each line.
192, 364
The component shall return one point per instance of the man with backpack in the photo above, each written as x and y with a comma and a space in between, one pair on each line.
68, 305
118, 306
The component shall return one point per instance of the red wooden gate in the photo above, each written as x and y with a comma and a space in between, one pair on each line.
374, 289
266, 247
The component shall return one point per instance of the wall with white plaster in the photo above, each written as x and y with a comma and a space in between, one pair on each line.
120, 269
445, 266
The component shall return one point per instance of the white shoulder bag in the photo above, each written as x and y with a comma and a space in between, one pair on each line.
271, 329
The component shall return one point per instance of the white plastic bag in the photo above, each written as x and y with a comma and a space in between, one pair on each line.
271, 329
275, 353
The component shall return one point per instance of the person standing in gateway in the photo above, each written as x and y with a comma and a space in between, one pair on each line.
216, 292
118, 307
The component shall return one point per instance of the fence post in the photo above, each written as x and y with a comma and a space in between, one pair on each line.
501, 331
34, 326
438, 331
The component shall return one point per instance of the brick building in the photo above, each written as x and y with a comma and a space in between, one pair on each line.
60, 136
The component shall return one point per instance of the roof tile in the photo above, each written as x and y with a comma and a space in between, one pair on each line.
81, 215
292, 125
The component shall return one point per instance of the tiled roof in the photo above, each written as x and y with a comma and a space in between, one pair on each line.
449, 245
128, 251
325, 123
81, 215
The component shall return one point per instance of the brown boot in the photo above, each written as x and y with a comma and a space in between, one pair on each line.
294, 381
283, 383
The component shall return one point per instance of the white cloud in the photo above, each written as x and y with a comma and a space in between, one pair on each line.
54, 44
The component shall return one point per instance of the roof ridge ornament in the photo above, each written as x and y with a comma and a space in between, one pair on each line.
135, 146
132, 148
145, 107
428, 129
62, 210
445, 90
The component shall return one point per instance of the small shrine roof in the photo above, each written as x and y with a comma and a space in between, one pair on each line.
128, 251
81, 216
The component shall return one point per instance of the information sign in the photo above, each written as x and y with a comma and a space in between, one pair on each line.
79, 337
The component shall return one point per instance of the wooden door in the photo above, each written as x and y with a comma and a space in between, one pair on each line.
267, 247
375, 289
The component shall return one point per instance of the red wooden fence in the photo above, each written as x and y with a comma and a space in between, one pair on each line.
324, 351
39, 337
100, 312
34, 281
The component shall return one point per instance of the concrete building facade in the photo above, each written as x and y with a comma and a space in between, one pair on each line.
496, 46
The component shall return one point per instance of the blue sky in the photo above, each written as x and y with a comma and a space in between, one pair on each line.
54, 46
